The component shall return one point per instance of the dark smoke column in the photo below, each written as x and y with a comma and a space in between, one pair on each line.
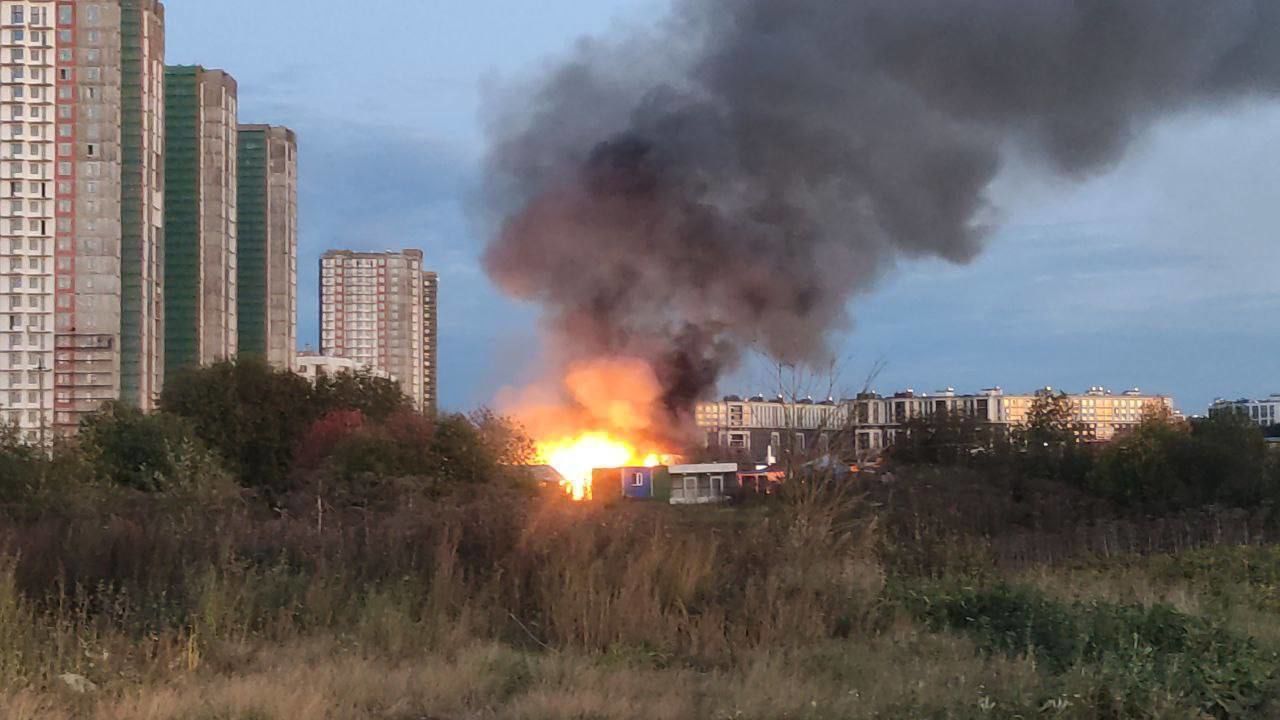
732, 179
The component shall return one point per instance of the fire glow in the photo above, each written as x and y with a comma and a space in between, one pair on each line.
599, 415
575, 458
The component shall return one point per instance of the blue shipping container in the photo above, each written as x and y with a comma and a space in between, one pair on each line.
637, 482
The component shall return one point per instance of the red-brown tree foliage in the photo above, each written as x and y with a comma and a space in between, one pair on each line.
325, 434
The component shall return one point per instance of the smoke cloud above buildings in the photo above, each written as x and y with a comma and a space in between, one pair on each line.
730, 179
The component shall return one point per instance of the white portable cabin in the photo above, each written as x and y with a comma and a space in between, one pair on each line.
702, 484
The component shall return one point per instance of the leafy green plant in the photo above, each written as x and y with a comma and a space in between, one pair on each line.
1135, 652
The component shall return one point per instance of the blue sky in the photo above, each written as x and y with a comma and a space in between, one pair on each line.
1162, 274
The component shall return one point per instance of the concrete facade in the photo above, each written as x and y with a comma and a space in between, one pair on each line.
200, 217
1264, 413
74, 299
313, 366
268, 262
142, 200
373, 311
761, 430
430, 337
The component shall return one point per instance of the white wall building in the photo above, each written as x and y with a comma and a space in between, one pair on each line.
81, 209
1262, 412
313, 366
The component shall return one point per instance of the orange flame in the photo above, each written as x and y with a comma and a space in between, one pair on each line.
575, 458
596, 416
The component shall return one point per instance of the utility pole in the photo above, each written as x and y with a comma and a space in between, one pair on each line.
43, 424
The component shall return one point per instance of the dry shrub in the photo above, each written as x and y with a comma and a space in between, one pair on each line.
169, 587
692, 586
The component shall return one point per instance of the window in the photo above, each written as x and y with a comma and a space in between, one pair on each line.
64, 55
18, 35
65, 14
637, 479
18, 15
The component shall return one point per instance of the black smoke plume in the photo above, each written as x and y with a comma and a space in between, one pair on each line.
732, 178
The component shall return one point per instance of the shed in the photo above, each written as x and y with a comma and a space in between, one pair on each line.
637, 482
765, 481
544, 476
631, 483
705, 483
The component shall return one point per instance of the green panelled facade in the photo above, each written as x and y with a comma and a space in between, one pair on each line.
133, 285
182, 252
251, 269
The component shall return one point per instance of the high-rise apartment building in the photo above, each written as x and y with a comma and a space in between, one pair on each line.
268, 258
81, 137
430, 307
374, 310
200, 217
142, 196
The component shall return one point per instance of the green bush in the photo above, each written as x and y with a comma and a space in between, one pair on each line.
1136, 653
35, 480
1164, 466
150, 453
374, 397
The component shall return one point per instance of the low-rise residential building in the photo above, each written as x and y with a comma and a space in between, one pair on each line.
1101, 413
761, 430
1264, 413
313, 366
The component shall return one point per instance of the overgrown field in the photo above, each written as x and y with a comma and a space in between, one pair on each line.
265, 549
497, 603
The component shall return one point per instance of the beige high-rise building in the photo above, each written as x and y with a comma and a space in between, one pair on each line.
81, 141
200, 217
268, 259
378, 309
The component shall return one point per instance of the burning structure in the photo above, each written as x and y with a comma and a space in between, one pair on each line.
730, 179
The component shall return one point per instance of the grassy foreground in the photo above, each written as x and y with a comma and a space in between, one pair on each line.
492, 604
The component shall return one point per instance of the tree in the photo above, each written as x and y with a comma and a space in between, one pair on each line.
460, 453
376, 398
1140, 469
504, 438
1051, 421
151, 453
247, 412
41, 480
944, 438
1166, 464
1051, 440
324, 436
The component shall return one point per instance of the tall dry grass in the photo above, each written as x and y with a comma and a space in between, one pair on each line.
140, 591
